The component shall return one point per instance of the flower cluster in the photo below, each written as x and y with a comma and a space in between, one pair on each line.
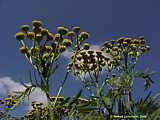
113, 54
88, 60
41, 112
38, 111
124, 49
7, 103
42, 46
10, 101
132, 47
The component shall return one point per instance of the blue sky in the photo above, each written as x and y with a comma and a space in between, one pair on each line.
104, 19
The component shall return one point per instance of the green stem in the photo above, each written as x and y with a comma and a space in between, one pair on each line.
60, 88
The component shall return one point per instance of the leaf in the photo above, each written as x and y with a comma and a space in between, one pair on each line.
75, 99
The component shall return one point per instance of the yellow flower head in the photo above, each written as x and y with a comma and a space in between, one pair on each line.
36, 23
37, 30
120, 40
142, 41
136, 41
25, 28
84, 35
44, 32
62, 48
115, 48
39, 37
76, 29
143, 49
108, 45
19, 35
86, 46
141, 37
62, 30
23, 50
70, 34
31, 35
67, 42
128, 40
57, 37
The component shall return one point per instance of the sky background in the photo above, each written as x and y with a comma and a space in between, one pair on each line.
103, 19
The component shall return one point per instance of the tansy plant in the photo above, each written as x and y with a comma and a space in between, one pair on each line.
124, 53
115, 61
107, 73
42, 49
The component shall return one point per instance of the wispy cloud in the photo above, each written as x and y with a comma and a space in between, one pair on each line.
8, 86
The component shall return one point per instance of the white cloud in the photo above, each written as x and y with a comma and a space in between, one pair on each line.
8, 86
39, 96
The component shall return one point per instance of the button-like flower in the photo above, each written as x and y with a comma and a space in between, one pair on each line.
115, 48
57, 37
67, 42
120, 40
37, 30
36, 23
86, 46
62, 30
136, 41
143, 49
76, 29
70, 34
23, 50
142, 41
19, 35
125, 44
128, 40
25, 28
84, 35
39, 37
44, 32
90, 52
31, 35
62, 48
